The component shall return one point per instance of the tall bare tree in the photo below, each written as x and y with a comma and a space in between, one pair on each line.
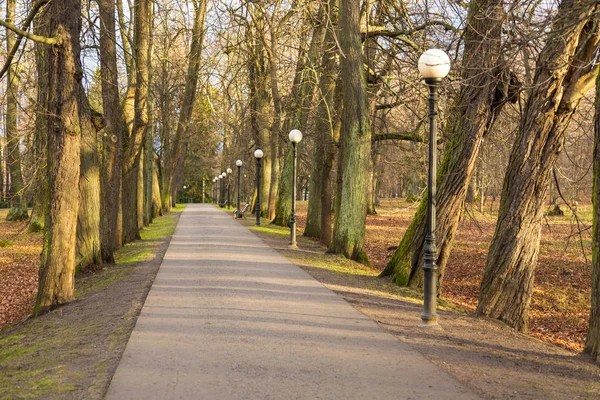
114, 131
565, 71
56, 283
355, 140
179, 143
16, 196
319, 217
133, 143
481, 97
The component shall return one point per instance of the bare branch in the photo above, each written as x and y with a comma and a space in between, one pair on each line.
34, 9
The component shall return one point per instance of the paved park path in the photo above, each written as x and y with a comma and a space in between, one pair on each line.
230, 318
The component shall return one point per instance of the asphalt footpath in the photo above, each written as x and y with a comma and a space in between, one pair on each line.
230, 318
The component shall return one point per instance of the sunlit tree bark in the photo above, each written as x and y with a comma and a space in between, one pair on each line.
56, 282
133, 143
565, 71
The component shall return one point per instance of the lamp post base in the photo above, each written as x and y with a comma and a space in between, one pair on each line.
293, 246
429, 322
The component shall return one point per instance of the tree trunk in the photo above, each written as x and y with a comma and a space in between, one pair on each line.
134, 144
355, 146
157, 208
277, 154
141, 184
179, 143
40, 141
592, 340
113, 134
562, 77
148, 145
373, 202
88, 220
327, 184
318, 219
284, 204
303, 92
261, 110
16, 195
470, 118
57, 269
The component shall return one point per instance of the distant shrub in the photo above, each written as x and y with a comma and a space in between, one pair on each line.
555, 212
35, 227
17, 214
5, 243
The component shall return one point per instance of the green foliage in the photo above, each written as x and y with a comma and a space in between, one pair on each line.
5, 243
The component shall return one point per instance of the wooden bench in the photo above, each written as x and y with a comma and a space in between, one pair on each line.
240, 214
223, 204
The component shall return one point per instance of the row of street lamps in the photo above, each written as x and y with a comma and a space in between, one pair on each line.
434, 65
218, 187
295, 137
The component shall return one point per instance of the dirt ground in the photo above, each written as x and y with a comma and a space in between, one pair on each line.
493, 360
561, 300
73, 351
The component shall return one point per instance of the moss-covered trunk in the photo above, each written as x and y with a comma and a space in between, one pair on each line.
355, 146
113, 134
303, 91
276, 152
564, 72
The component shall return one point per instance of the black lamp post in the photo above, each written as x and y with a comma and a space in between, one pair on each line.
295, 137
220, 200
434, 65
229, 171
215, 180
258, 154
238, 164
